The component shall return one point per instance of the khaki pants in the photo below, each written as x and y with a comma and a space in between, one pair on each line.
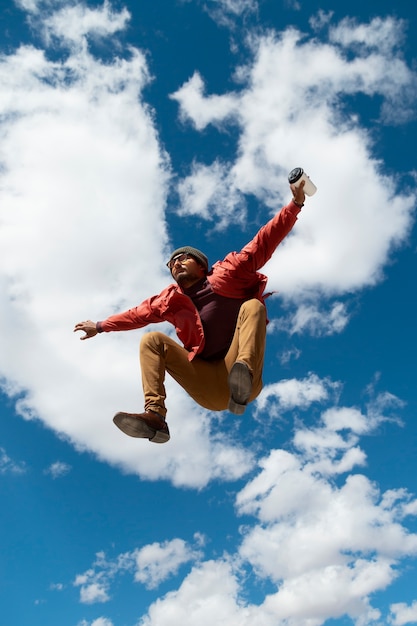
205, 381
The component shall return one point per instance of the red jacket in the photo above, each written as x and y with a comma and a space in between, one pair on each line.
236, 276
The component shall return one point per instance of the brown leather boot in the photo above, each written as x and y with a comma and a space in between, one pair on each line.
240, 385
149, 425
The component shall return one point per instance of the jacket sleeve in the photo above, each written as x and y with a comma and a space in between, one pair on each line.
150, 311
237, 275
257, 252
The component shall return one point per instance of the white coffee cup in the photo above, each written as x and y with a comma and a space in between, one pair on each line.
297, 175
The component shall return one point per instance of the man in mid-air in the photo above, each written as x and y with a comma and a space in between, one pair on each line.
220, 318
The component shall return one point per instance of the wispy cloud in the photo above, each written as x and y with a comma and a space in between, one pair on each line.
226, 12
9, 466
58, 469
315, 319
150, 565
100, 621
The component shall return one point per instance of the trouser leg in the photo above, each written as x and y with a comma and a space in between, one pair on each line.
248, 344
204, 381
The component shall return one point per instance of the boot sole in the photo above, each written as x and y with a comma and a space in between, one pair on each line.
134, 427
240, 385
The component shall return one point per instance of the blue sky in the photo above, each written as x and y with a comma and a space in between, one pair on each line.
128, 129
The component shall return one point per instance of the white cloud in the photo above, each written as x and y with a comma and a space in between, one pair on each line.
208, 595
382, 37
320, 19
206, 110
330, 593
56, 586
151, 565
382, 34
73, 23
410, 508
68, 22
325, 544
226, 12
156, 561
286, 356
100, 621
76, 209
343, 237
58, 469
95, 583
83, 190
209, 193
92, 593
403, 614
29, 5
237, 6
324, 537
315, 319
292, 393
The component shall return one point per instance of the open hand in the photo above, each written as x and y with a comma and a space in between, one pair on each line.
88, 327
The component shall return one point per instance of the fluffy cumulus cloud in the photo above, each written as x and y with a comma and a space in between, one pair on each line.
403, 614
289, 394
155, 562
208, 595
325, 537
313, 528
294, 84
83, 187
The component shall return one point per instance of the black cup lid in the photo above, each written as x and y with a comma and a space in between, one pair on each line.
295, 174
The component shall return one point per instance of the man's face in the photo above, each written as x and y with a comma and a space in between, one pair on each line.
186, 270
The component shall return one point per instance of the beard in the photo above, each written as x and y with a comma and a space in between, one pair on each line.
185, 278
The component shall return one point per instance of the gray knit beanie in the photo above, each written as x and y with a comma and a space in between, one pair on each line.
197, 254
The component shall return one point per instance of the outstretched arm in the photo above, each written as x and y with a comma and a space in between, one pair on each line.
258, 251
89, 327
150, 311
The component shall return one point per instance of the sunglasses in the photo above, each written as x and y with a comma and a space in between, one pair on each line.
180, 257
